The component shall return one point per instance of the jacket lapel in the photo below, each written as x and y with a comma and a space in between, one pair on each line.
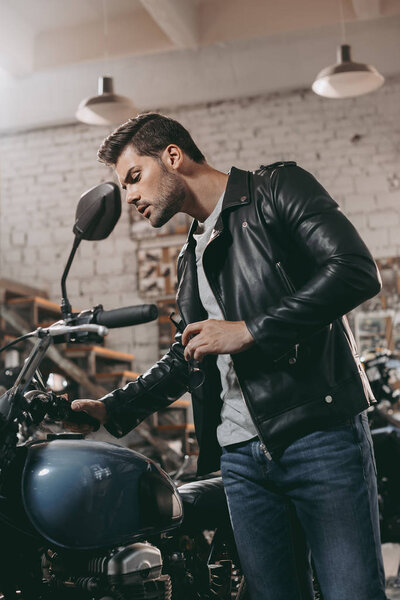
237, 193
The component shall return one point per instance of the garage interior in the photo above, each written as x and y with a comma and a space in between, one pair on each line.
239, 76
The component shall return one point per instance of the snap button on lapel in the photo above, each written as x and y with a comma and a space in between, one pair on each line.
328, 399
244, 224
243, 198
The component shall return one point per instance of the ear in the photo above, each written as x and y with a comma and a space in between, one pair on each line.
172, 157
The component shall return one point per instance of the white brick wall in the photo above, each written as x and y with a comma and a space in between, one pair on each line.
352, 146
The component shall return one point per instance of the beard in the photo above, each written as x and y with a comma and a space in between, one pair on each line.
170, 198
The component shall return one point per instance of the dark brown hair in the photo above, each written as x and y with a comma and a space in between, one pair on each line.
149, 134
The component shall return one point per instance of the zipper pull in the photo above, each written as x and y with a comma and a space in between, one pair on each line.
293, 359
265, 450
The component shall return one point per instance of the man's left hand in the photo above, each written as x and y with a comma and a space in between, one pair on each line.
215, 337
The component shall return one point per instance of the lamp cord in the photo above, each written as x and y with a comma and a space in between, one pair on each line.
342, 26
105, 32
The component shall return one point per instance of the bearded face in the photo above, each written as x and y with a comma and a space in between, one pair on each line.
169, 199
156, 193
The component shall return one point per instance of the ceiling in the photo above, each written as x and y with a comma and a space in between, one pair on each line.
172, 52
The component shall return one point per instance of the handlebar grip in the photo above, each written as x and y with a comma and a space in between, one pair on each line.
129, 315
63, 412
82, 418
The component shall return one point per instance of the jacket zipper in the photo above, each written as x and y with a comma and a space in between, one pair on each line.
285, 278
291, 289
221, 306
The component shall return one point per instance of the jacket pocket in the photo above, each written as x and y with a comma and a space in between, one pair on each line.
285, 279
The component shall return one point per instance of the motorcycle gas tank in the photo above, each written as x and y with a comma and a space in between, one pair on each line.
88, 494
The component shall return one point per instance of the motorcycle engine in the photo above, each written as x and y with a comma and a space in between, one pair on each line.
132, 572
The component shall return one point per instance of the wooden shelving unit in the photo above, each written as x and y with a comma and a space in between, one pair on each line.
94, 368
25, 308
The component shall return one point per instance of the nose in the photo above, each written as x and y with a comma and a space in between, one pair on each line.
132, 195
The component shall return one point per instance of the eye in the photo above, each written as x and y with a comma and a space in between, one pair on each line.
131, 179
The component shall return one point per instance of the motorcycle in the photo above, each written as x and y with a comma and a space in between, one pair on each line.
85, 519
384, 422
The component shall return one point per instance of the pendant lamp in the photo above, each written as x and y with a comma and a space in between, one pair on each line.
106, 108
346, 78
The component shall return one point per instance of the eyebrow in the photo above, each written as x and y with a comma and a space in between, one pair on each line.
129, 173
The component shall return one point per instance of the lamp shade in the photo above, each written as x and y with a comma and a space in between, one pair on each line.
346, 78
106, 108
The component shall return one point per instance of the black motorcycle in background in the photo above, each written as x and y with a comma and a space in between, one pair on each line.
84, 519
384, 422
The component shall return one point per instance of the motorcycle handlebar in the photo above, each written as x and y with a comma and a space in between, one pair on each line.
129, 315
56, 330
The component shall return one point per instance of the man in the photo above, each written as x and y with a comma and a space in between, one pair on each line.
268, 270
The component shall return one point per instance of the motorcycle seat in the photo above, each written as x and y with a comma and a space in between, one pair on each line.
204, 504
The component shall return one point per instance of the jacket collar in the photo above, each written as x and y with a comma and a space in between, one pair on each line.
237, 189
237, 193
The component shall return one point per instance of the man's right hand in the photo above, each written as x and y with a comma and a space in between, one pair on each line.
94, 408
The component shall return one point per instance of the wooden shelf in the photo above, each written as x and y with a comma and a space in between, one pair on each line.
13, 289
35, 310
31, 306
189, 427
97, 359
111, 374
178, 404
117, 378
45, 324
108, 368
36, 300
114, 355
174, 416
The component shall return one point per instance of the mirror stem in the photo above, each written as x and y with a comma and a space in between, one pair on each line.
66, 309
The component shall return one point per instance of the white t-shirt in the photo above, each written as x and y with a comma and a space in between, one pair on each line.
236, 424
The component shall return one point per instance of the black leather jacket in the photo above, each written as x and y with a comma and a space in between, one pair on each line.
284, 259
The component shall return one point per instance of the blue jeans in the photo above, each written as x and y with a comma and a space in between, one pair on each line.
320, 496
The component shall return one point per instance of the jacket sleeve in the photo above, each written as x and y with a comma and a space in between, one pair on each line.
345, 273
161, 385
